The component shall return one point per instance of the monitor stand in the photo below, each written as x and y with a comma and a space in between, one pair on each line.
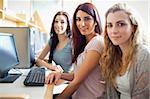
10, 78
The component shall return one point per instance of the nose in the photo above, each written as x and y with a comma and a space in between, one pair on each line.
82, 23
114, 30
59, 24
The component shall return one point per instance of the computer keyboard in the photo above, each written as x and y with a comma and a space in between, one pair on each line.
35, 77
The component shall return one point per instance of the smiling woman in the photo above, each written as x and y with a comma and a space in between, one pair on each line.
85, 23
60, 24
59, 45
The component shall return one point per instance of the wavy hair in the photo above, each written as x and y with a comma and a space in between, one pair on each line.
79, 40
112, 55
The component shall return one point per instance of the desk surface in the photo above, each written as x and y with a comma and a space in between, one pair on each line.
18, 89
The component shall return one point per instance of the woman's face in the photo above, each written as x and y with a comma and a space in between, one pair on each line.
60, 24
119, 28
85, 23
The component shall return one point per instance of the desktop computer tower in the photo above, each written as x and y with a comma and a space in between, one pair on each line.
25, 42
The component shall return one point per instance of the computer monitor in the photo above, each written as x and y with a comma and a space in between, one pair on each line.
8, 57
25, 44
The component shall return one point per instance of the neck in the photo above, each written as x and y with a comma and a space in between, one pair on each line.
90, 36
124, 50
124, 47
62, 38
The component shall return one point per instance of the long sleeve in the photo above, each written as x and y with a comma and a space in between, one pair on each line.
139, 80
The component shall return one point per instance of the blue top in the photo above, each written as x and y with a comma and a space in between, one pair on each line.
63, 57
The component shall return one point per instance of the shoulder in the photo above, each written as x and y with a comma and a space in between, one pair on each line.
97, 40
143, 58
97, 44
143, 52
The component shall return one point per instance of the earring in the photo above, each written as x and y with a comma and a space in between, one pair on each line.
95, 23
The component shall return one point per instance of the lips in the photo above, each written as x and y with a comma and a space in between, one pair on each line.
58, 29
115, 37
83, 29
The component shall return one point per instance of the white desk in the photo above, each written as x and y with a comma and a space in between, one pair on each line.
18, 89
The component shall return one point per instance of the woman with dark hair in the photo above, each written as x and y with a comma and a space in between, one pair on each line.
125, 60
59, 45
85, 81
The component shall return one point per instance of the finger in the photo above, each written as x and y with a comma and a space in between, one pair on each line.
60, 68
51, 79
48, 78
57, 78
57, 69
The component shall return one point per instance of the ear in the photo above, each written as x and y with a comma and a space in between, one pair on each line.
134, 28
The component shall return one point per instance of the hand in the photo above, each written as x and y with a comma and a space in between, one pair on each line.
59, 69
53, 77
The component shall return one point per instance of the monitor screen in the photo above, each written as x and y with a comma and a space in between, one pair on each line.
8, 54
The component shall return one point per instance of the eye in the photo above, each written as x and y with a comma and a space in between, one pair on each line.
121, 24
55, 21
87, 18
109, 25
78, 19
62, 22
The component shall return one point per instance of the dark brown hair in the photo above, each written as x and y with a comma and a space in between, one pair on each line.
79, 41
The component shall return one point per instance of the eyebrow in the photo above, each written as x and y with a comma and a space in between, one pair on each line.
120, 21
59, 20
88, 16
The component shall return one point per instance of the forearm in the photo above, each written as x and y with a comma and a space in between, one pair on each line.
69, 90
67, 76
40, 62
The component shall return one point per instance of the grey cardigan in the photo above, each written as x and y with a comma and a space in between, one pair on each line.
139, 77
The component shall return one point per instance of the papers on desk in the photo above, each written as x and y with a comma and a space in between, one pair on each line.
59, 88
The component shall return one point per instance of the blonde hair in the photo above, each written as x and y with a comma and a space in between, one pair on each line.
111, 61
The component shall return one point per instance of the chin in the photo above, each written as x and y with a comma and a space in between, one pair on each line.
115, 43
61, 33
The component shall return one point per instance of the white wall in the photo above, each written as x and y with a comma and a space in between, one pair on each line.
19, 6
